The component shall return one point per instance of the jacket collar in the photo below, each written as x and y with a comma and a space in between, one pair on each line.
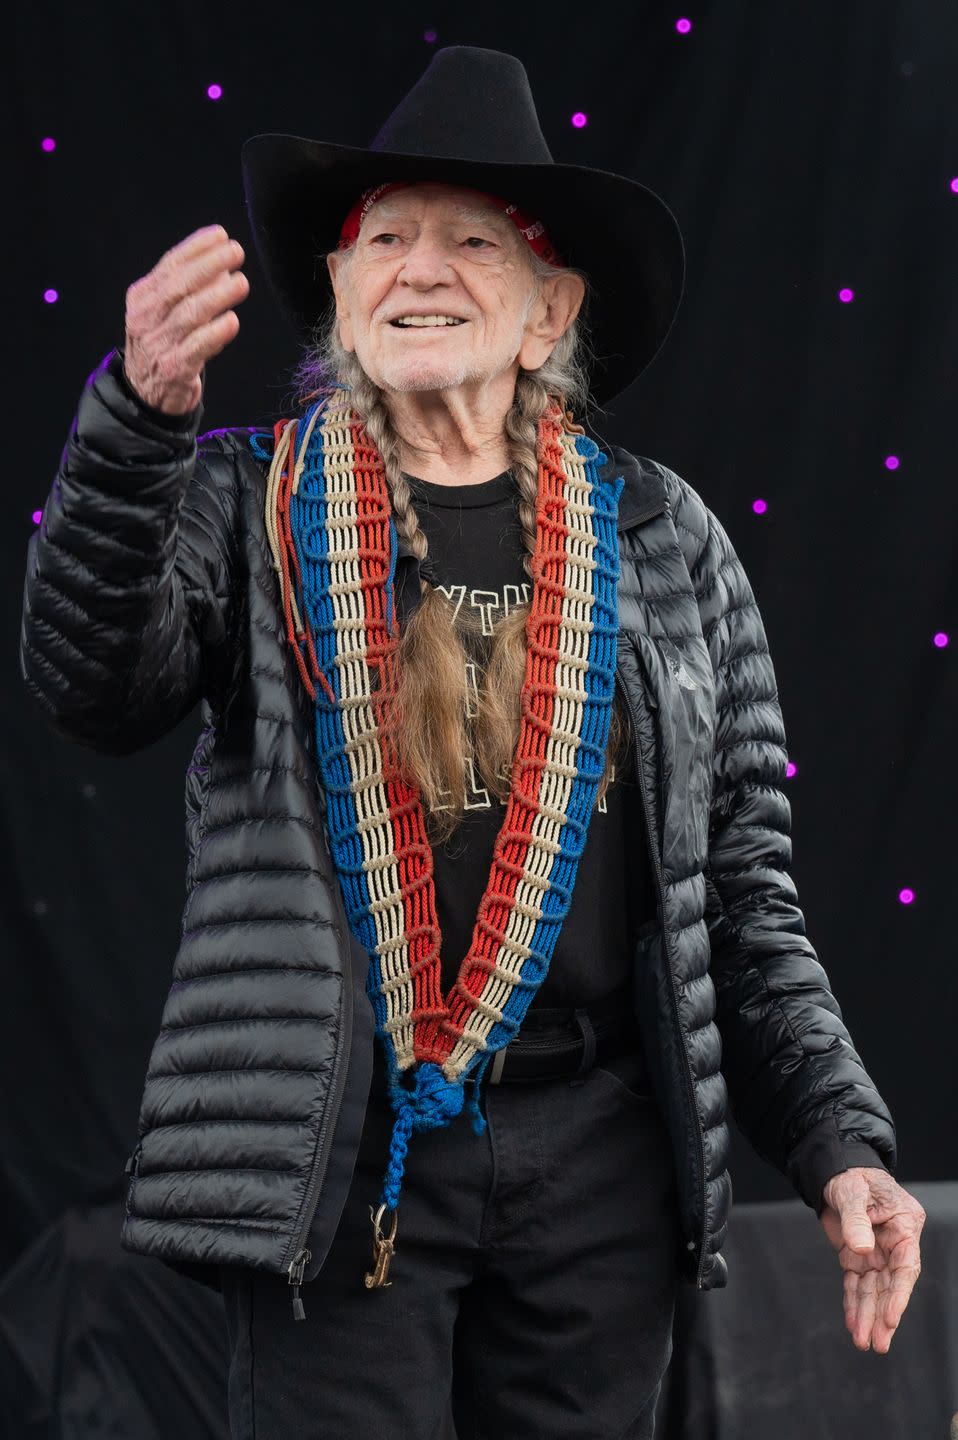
643, 494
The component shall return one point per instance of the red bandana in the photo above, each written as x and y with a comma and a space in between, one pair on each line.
528, 226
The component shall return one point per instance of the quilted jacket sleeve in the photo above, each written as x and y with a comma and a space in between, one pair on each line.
127, 599
798, 1090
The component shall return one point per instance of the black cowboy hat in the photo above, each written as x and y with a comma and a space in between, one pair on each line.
471, 120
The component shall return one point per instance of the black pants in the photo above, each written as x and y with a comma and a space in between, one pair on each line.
533, 1284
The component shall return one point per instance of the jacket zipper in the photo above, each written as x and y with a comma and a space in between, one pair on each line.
296, 1268
660, 880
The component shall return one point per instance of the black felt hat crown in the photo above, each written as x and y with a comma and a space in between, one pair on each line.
471, 120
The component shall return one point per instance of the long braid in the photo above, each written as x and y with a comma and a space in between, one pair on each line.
530, 404
369, 403
502, 677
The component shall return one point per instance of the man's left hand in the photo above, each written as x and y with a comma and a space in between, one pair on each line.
874, 1225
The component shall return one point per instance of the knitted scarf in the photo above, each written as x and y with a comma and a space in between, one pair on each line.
334, 544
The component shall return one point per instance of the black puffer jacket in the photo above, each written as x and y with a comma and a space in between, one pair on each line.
150, 586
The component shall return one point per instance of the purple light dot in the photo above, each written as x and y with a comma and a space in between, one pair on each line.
214, 91
429, 36
892, 462
50, 296
37, 516
941, 639
906, 896
579, 119
846, 295
49, 143
791, 769
760, 506
683, 26
954, 185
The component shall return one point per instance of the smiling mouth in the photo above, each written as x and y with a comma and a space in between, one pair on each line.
393, 325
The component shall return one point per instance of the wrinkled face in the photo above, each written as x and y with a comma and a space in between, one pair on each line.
438, 251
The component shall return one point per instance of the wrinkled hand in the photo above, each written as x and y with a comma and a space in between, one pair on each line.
874, 1225
179, 316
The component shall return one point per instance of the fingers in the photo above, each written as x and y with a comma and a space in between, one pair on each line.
205, 341
175, 282
876, 1299
199, 306
195, 244
903, 1280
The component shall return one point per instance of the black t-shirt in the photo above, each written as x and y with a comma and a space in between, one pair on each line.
475, 545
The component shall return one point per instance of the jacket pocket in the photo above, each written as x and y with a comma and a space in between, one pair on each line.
197, 788
682, 691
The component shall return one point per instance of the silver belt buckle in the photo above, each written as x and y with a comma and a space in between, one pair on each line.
498, 1065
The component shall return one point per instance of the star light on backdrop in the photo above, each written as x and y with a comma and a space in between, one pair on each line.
579, 121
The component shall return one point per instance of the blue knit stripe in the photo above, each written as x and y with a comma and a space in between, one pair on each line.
590, 753
308, 509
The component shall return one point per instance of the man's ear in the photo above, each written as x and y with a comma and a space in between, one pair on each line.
555, 309
334, 264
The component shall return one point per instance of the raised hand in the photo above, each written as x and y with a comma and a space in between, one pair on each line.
178, 315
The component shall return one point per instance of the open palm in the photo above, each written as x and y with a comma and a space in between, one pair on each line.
875, 1226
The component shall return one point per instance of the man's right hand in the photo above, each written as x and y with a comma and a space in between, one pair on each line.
177, 317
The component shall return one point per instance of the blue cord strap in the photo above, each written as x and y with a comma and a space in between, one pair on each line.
432, 1103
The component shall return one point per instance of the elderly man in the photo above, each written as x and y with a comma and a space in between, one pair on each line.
489, 774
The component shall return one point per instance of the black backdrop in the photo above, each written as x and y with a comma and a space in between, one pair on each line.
804, 147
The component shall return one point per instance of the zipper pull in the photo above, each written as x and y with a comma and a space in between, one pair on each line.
297, 1268
131, 1168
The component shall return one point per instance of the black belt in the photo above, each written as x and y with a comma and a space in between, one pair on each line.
556, 1042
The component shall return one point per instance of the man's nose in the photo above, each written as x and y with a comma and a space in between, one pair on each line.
426, 261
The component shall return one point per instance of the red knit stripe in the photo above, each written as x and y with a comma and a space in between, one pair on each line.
512, 845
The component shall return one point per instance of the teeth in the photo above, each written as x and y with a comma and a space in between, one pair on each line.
428, 320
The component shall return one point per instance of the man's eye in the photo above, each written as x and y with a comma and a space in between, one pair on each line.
387, 235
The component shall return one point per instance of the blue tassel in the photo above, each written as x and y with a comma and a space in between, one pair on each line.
432, 1104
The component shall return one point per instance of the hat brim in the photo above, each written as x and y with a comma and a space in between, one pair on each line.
620, 233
